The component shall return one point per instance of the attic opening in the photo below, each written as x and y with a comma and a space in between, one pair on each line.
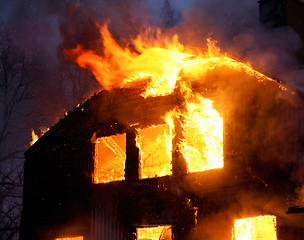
154, 233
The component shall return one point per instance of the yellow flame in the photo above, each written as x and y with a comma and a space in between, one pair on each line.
256, 228
202, 147
34, 137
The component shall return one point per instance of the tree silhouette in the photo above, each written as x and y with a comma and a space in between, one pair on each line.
15, 92
169, 17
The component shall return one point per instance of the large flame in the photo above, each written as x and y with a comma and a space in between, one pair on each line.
256, 228
151, 56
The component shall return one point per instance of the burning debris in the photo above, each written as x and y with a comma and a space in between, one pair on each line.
178, 137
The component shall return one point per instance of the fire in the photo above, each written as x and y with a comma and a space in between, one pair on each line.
256, 228
70, 238
154, 233
167, 67
34, 137
202, 147
159, 58
119, 66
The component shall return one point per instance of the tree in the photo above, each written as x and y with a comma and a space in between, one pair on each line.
15, 92
169, 17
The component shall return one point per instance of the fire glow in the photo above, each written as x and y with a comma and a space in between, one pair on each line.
256, 228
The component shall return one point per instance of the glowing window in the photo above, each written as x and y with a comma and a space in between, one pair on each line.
70, 238
256, 228
154, 233
155, 144
202, 147
110, 158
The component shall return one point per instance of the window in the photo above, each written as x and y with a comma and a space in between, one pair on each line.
256, 228
70, 238
110, 158
154, 233
155, 146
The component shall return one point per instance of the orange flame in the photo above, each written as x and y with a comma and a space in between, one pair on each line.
256, 228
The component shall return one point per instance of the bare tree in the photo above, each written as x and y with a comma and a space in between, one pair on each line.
15, 92
80, 84
169, 17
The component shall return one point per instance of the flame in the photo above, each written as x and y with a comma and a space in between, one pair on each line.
70, 238
202, 146
154, 233
34, 138
119, 66
152, 56
256, 228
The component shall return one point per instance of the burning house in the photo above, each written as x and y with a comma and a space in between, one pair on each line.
180, 145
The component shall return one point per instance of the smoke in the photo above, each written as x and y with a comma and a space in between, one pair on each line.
235, 26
